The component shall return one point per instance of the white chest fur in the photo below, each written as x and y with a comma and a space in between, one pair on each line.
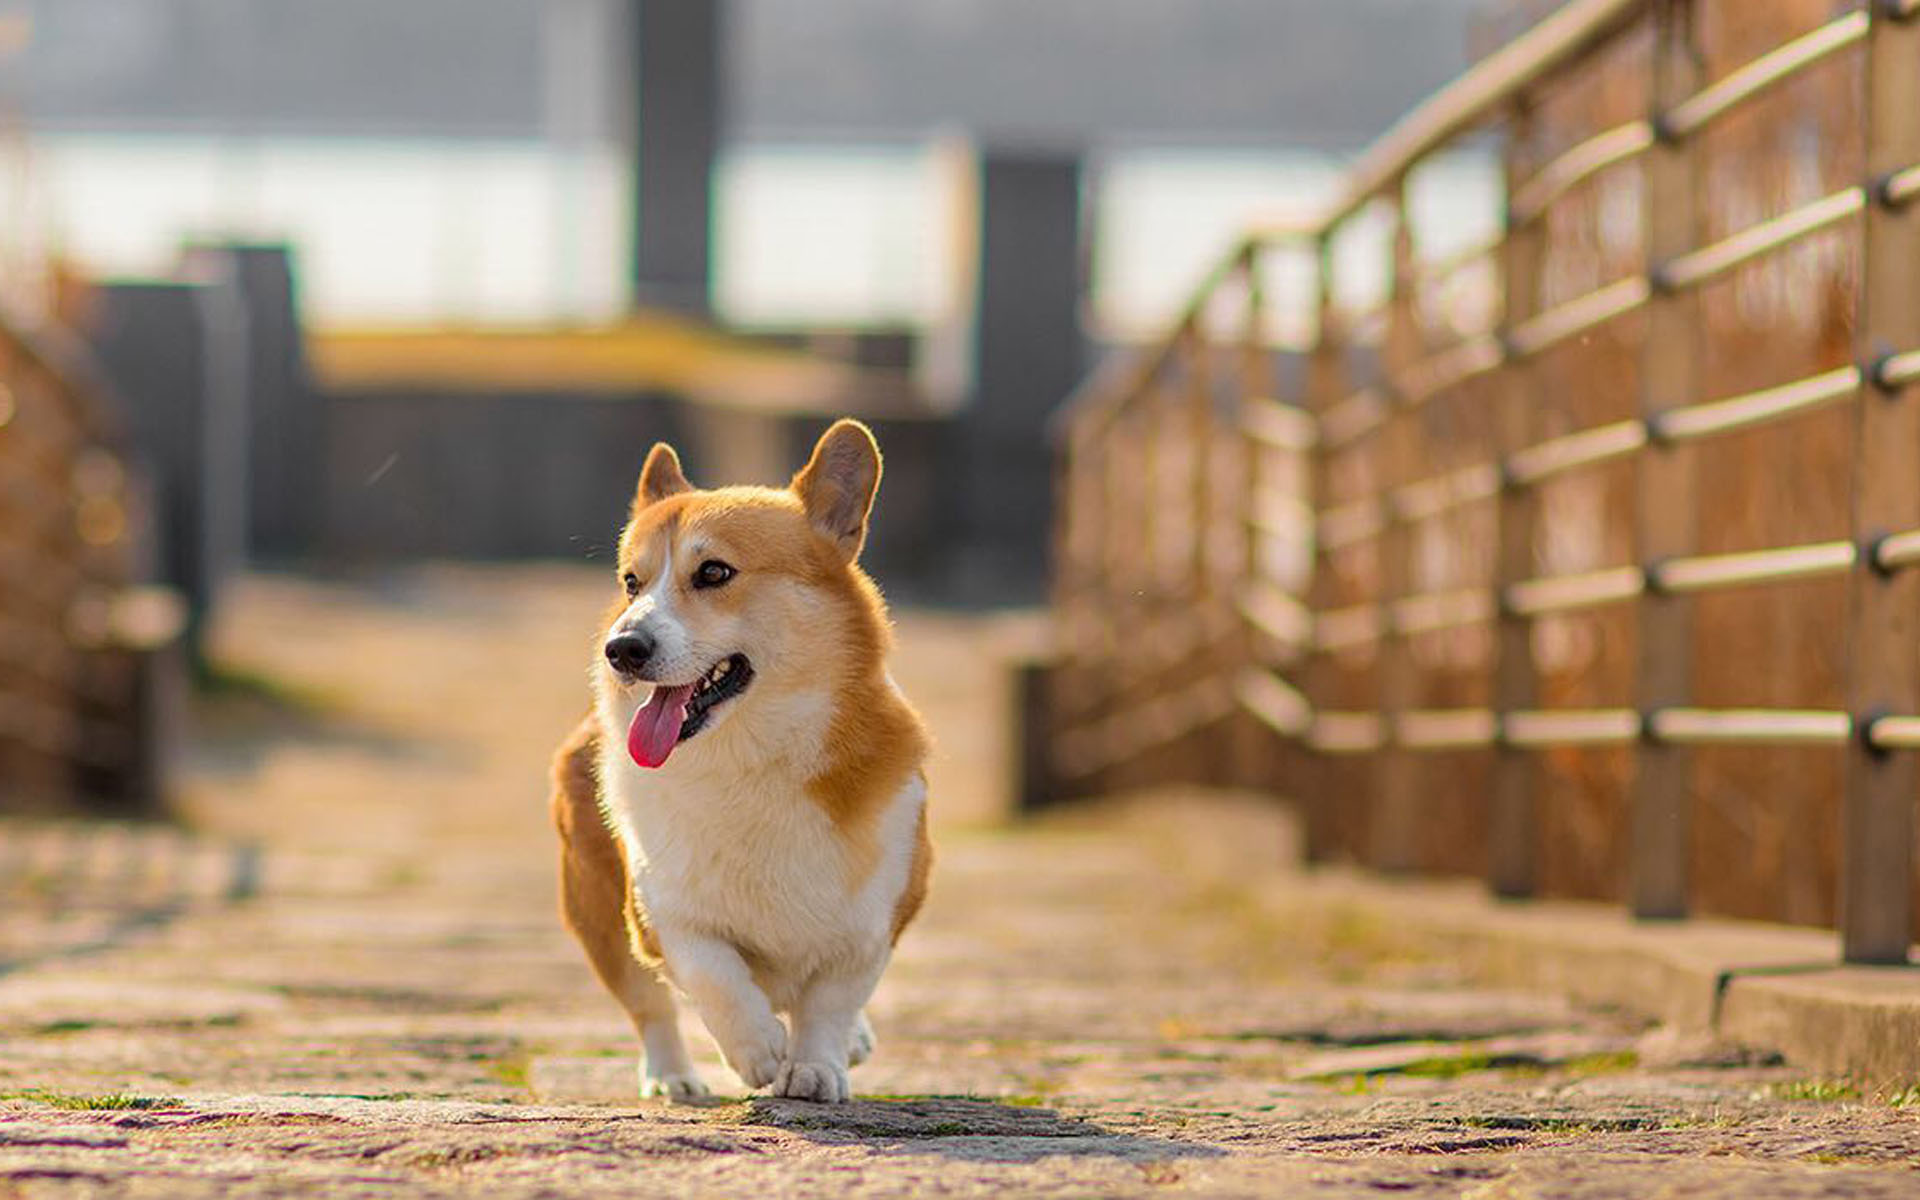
741, 852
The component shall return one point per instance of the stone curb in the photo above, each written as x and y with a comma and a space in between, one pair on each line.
1768, 986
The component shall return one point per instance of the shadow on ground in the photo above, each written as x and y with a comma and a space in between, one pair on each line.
960, 1127
243, 717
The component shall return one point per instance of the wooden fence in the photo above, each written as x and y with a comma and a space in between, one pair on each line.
1580, 556
80, 692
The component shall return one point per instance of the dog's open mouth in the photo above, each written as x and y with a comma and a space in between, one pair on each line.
673, 714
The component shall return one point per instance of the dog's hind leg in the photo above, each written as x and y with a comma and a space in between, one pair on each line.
598, 906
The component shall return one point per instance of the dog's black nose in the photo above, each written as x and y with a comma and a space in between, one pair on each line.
628, 652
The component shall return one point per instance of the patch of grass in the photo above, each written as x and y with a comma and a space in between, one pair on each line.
1906, 1097
1824, 1090
226, 681
1038, 1085
1354, 1085
1448, 1067
1611, 1063
67, 1026
947, 1129
512, 1071
402, 875
76, 1102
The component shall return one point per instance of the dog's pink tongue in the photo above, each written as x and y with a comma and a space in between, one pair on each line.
656, 727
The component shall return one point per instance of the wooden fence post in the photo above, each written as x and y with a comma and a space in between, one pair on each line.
1513, 819
1121, 572
1394, 831
1876, 868
1326, 374
1206, 749
1047, 692
1254, 748
1667, 503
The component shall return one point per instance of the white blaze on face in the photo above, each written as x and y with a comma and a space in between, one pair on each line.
655, 726
652, 613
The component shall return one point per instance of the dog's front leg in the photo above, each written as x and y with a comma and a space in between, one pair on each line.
714, 976
825, 1020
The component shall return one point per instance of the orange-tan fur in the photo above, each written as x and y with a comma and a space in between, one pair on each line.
815, 629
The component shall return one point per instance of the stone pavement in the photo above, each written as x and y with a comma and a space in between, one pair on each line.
1140, 999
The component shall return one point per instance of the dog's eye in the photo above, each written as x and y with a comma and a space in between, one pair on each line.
712, 573
633, 584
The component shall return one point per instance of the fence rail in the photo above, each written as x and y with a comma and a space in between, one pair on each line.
1243, 574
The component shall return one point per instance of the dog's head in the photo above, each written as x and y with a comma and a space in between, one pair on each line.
733, 596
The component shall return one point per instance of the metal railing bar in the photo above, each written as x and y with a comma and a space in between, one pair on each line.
1451, 367
1569, 452
1354, 625
1277, 511
1575, 166
1540, 728
1179, 713
1899, 370
1430, 498
1446, 728
1579, 315
1430, 612
1345, 732
1115, 386
1776, 66
1757, 408
1903, 186
1366, 326
1771, 726
1278, 425
1893, 733
1709, 262
1283, 528
1439, 268
1569, 33
1565, 593
1353, 417
1355, 521
1897, 550
1278, 704
1707, 572
1276, 614
1154, 722
1269, 232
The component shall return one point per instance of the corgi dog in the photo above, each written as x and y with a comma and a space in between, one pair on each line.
743, 815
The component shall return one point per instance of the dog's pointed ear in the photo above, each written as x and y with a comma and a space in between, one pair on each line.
661, 477
837, 485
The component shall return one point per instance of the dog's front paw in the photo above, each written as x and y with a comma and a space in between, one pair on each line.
861, 1045
756, 1054
822, 1081
675, 1087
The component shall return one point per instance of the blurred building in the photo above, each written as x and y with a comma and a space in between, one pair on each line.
456, 159
455, 164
